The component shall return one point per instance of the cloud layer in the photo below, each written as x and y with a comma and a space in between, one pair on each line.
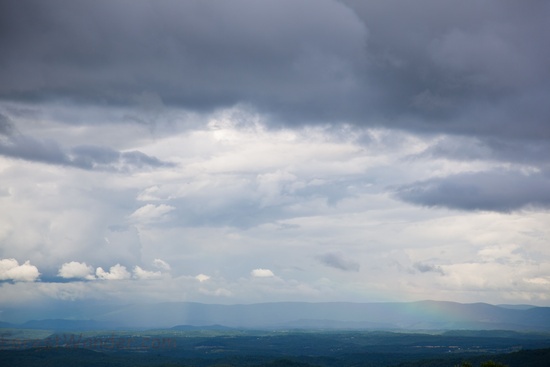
90, 157
245, 152
438, 70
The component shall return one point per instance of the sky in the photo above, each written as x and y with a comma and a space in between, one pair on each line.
259, 151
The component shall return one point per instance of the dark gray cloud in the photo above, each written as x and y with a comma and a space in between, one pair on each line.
468, 67
501, 191
197, 54
338, 261
428, 268
6, 127
17, 145
95, 157
490, 149
20, 146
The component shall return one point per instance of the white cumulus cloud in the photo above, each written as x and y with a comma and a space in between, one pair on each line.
140, 273
262, 273
151, 212
161, 264
76, 269
202, 277
11, 270
116, 272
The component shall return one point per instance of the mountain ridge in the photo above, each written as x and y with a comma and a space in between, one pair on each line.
419, 315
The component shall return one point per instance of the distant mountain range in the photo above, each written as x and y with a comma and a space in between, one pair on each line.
424, 315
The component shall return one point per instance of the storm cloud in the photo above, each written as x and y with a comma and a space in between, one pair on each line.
200, 55
430, 66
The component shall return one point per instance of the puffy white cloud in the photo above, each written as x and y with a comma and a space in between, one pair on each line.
262, 273
202, 277
151, 212
140, 273
76, 269
161, 264
116, 272
11, 270
149, 194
